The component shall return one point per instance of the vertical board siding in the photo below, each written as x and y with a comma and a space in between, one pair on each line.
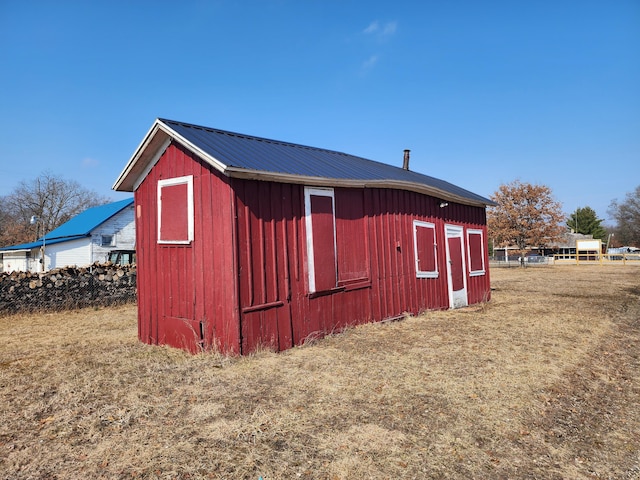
352, 263
263, 255
202, 208
274, 294
324, 241
221, 317
190, 288
243, 281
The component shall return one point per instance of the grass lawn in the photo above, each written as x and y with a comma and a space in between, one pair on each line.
541, 382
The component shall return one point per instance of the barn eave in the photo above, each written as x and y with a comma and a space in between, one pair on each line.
234, 172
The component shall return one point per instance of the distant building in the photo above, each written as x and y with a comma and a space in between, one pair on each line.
623, 250
86, 238
565, 245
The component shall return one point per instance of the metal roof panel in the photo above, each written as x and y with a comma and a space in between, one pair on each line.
38, 243
85, 222
256, 154
79, 226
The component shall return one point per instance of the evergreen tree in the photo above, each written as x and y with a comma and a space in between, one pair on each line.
585, 221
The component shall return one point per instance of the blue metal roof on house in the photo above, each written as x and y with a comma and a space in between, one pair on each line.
240, 155
85, 222
79, 226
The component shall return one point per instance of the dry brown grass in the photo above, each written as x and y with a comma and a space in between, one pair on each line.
542, 382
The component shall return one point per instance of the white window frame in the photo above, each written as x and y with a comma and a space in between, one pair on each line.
425, 273
188, 180
474, 231
319, 192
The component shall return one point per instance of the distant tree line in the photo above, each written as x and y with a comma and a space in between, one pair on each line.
526, 215
51, 199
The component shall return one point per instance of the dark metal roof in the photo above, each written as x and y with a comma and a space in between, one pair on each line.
242, 155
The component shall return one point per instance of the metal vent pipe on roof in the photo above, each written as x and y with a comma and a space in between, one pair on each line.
405, 162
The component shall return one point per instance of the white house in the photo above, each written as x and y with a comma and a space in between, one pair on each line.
86, 238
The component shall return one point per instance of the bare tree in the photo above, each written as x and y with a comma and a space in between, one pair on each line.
627, 217
10, 229
52, 199
525, 216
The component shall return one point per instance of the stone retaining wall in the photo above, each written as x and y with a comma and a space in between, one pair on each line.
67, 288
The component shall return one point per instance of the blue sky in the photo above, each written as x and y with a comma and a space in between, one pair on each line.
483, 93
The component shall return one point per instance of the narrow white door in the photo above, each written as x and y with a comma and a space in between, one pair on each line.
456, 270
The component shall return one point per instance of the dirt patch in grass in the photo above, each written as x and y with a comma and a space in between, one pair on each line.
542, 382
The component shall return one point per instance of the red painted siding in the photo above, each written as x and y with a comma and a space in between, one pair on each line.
353, 264
376, 277
475, 252
457, 274
187, 293
266, 247
425, 238
324, 242
244, 279
173, 221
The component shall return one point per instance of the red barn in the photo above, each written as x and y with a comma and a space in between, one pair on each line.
245, 241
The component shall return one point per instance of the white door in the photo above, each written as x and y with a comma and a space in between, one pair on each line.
456, 269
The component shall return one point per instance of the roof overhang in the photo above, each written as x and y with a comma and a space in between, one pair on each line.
25, 247
160, 136
349, 183
155, 142
22, 250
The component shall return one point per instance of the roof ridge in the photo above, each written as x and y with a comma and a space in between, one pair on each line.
257, 138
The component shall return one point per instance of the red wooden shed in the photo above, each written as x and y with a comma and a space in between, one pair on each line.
245, 241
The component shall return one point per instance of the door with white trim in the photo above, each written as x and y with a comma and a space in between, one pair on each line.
456, 269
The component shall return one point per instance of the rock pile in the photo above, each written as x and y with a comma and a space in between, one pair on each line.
99, 284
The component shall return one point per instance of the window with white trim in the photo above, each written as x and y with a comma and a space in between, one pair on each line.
475, 252
337, 246
175, 210
425, 249
321, 238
